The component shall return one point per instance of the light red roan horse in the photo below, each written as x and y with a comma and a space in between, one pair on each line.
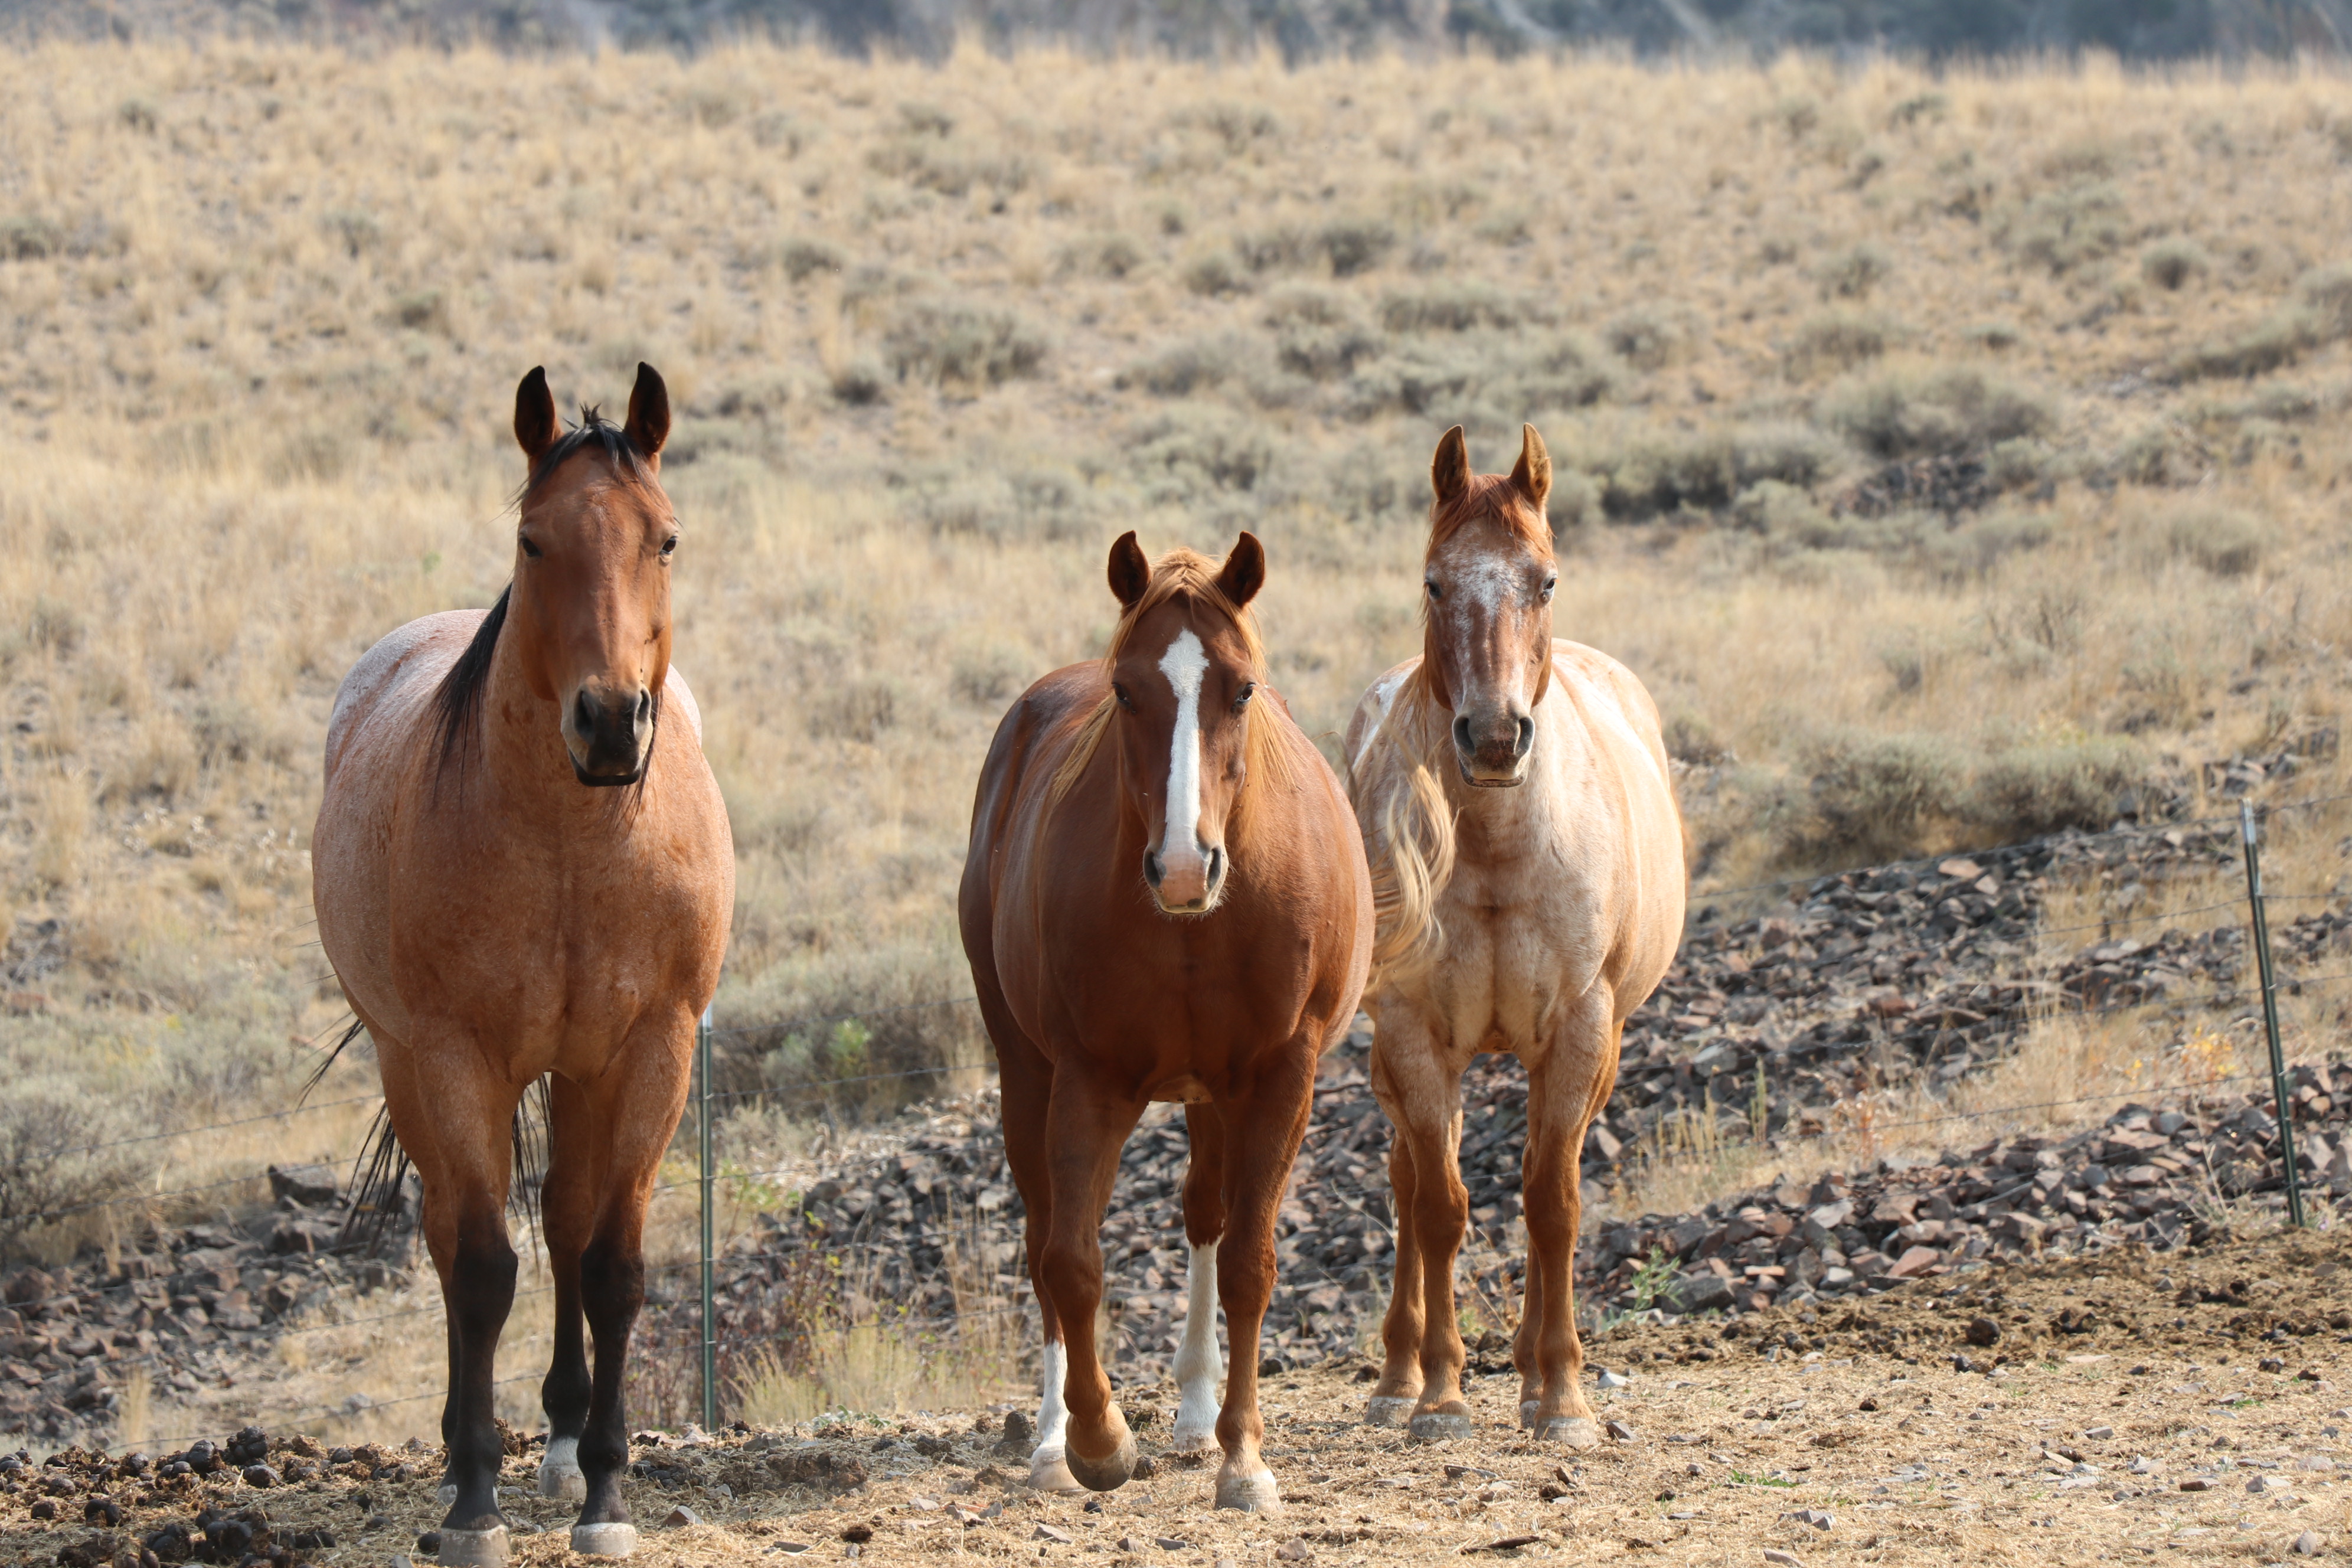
522, 869
1165, 899
1515, 798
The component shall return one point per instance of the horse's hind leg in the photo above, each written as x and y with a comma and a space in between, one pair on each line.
635, 1105
1197, 1362
459, 1142
567, 1212
1567, 1084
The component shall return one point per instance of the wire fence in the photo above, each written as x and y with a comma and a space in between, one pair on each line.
708, 1101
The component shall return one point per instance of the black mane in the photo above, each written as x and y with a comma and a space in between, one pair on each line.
594, 429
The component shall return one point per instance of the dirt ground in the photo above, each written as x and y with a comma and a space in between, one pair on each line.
2110, 1387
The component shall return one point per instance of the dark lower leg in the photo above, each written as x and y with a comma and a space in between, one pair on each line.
480, 1293
612, 1292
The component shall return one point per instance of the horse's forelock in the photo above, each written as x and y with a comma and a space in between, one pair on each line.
1488, 496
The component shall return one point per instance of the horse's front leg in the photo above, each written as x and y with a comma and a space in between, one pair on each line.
1087, 1123
636, 1107
457, 1138
1420, 1087
1568, 1082
1264, 1132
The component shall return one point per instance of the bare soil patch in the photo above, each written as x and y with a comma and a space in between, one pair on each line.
2188, 1405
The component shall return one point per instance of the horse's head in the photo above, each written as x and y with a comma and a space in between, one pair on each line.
590, 602
1184, 668
1487, 584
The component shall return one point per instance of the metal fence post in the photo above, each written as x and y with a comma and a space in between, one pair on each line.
2280, 1101
702, 1126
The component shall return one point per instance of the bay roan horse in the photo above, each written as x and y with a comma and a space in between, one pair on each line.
522, 867
1527, 856
1165, 899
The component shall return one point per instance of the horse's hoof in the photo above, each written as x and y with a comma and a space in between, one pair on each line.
1106, 1475
1578, 1432
559, 1473
1193, 1439
1388, 1410
1250, 1494
1528, 1408
595, 1540
1438, 1425
473, 1548
1049, 1472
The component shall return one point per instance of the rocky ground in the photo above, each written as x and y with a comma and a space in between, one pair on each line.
2189, 1403
1878, 984
1887, 983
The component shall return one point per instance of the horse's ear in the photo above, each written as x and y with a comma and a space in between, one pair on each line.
1449, 472
534, 424
1533, 474
1131, 574
1244, 572
648, 424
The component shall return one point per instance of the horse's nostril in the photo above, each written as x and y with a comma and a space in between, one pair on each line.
1216, 866
1527, 736
1152, 870
1462, 734
644, 706
583, 713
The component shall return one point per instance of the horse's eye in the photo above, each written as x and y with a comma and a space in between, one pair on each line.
1124, 699
529, 548
669, 548
1549, 584
1431, 586
1249, 690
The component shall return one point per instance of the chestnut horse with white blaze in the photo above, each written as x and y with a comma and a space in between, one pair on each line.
523, 868
1165, 899
1516, 803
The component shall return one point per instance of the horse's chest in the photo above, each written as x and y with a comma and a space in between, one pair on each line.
1509, 956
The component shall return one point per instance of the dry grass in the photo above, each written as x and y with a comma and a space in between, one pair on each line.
936, 334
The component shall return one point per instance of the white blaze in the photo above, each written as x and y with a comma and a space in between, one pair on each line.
1184, 664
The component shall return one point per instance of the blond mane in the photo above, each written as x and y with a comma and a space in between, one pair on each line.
1182, 572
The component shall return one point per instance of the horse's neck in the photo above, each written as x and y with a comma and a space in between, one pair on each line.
521, 755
